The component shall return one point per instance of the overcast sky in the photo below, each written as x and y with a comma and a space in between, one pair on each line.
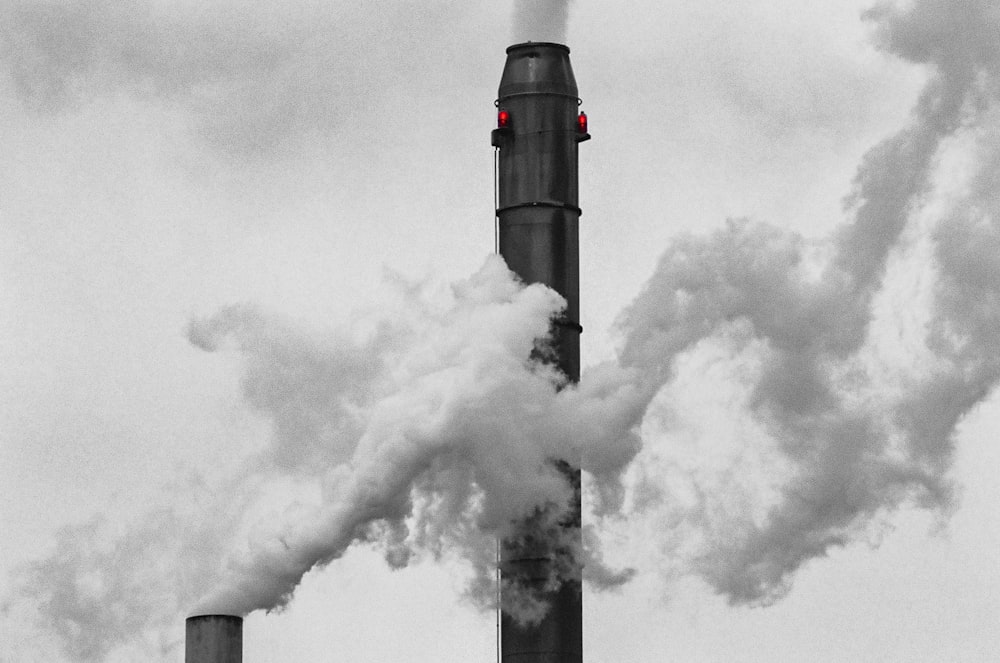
324, 165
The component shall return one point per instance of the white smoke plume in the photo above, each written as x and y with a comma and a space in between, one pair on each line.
430, 434
855, 434
541, 20
426, 430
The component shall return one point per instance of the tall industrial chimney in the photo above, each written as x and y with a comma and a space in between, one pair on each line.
214, 639
539, 128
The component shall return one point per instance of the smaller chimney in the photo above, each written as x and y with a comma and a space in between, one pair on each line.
214, 639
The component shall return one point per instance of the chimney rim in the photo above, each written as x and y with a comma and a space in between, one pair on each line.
211, 615
536, 44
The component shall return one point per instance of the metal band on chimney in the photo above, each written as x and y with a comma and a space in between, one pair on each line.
541, 203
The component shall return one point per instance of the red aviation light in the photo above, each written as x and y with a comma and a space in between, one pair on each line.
581, 123
503, 133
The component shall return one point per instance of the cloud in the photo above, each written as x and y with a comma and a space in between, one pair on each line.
251, 78
754, 414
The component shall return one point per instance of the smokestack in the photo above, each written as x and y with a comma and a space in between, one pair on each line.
539, 128
214, 639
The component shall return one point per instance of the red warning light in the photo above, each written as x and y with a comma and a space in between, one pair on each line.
581, 123
503, 119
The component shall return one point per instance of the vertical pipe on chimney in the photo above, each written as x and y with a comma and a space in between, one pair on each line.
538, 136
214, 639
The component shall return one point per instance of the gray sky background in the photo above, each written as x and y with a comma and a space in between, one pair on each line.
162, 160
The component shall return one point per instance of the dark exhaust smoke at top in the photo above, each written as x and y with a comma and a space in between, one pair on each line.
773, 397
540, 20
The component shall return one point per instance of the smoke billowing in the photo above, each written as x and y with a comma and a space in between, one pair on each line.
429, 434
774, 396
855, 433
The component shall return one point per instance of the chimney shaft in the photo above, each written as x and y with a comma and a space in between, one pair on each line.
537, 138
214, 639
